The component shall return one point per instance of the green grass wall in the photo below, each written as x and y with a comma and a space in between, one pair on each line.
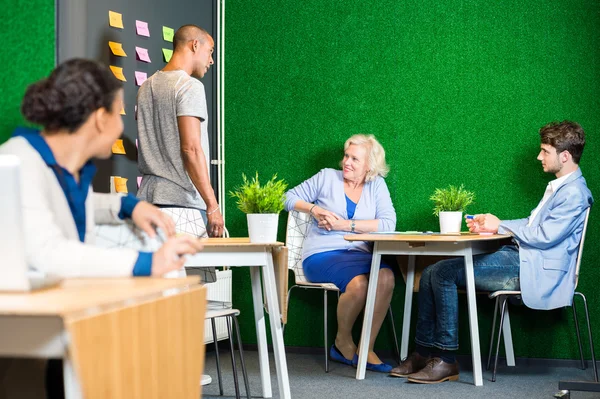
455, 91
28, 46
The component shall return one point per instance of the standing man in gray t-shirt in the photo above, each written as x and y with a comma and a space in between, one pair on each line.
173, 143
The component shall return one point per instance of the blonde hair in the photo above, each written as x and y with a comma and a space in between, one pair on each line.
375, 155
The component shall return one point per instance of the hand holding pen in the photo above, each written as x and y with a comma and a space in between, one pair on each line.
172, 254
484, 223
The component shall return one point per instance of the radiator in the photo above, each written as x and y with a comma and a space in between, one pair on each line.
220, 290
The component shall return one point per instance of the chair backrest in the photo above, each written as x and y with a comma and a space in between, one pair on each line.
580, 251
297, 229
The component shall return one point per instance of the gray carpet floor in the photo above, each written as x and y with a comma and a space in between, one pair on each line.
309, 380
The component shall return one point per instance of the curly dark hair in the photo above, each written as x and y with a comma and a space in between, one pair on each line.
67, 98
564, 136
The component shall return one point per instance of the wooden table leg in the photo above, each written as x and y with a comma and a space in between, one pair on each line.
261, 332
276, 328
408, 297
474, 327
368, 319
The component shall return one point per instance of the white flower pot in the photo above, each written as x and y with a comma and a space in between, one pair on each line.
450, 222
262, 227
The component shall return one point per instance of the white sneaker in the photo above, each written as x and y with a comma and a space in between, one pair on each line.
205, 380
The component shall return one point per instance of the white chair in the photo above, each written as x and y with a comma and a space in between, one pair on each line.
214, 310
502, 296
297, 229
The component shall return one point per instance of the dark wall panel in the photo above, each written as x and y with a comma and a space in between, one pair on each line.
84, 30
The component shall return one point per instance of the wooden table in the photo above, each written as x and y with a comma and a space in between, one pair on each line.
240, 252
463, 245
119, 338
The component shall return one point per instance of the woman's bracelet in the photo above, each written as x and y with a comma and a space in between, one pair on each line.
213, 211
311, 209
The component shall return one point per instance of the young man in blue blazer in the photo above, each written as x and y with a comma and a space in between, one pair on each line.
540, 263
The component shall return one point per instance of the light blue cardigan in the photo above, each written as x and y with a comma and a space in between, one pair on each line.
548, 248
326, 189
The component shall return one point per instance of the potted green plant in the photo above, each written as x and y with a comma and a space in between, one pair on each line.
262, 205
449, 205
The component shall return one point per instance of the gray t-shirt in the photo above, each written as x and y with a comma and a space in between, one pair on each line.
160, 100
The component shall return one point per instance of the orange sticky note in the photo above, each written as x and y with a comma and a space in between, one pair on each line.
118, 72
115, 19
123, 111
117, 147
117, 49
120, 184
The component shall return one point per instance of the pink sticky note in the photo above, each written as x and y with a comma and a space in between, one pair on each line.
139, 181
141, 28
136, 145
142, 54
140, 77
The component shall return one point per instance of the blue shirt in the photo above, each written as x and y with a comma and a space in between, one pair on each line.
350, 207
76, 192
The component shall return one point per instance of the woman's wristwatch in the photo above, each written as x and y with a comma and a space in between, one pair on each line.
352, 226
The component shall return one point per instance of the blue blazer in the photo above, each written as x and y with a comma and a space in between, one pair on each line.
548, 248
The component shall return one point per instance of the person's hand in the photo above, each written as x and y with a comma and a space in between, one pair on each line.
215, 224
148, 218
483, 223
342, 225
171, 256
326, 219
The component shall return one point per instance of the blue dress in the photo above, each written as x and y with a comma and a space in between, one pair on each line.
340, 266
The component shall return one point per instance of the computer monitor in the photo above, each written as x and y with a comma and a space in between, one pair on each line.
13, 265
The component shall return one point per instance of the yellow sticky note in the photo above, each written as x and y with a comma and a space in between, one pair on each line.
117, 49
123, 111
117, 147
168, 34
118, 72
120, 184
167, 54
115, 19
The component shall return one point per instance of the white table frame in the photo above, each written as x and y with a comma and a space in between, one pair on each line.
40, 337
404, 246
258, 257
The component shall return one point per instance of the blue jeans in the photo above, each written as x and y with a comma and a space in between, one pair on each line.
437, 322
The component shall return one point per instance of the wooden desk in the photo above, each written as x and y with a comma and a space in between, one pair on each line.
443, 245
240, 252
119, 338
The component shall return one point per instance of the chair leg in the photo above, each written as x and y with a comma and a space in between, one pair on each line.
325, 330
214, 331
489, 362
587, 316
233, 366
241, 350
576, 320
504, 298
396, 347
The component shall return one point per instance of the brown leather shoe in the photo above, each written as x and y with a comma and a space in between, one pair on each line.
413, 363
435, 371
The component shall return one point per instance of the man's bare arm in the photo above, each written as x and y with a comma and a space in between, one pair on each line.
195, 166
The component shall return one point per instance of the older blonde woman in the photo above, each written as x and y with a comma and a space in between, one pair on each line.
352, 200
